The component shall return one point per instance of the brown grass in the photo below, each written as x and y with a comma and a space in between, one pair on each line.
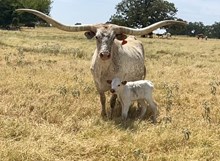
50, 110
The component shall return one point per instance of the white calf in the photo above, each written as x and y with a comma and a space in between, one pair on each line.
140, 91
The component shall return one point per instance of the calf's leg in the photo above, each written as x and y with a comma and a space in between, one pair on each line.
143, 108
153, 106
125, 109
112, 104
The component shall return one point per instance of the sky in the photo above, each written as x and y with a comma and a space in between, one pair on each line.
70, 12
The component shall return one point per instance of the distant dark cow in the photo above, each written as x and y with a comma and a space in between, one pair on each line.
150, 35
202, 36
14, 28
30, 25
78, 23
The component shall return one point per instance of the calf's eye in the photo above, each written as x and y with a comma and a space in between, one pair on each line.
119, 85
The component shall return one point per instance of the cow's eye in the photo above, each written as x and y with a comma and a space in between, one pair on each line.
119, 85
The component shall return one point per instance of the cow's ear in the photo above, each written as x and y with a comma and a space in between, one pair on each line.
109, 81
89, 34
121, 36
124, 82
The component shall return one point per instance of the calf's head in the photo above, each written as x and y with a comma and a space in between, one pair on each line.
116, 85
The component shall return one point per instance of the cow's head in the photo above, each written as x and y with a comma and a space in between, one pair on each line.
104, 33
105, 36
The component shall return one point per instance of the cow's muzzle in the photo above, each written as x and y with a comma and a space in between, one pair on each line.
105, 55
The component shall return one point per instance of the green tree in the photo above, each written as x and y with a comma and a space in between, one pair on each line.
195, 28
177, 29
40, 5
209, 31
141, 13
7, 8
8, 15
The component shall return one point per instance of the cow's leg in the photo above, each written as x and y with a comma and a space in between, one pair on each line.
103, 100
112, 104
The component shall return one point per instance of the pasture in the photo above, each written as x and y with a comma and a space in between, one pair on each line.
50, 110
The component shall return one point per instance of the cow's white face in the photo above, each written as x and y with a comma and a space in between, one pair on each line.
104, 41
105, 37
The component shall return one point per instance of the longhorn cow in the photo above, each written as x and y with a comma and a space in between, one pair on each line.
116, 54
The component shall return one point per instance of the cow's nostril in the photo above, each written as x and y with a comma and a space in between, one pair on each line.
112, 91
105, 55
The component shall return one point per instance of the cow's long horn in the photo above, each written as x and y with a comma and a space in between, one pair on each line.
60, 26
149, 29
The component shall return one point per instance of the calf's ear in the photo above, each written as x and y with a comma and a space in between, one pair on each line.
89, 34
109, 81
124, 82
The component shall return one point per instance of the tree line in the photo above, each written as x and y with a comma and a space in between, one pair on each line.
195, 28
142, 13
130, 13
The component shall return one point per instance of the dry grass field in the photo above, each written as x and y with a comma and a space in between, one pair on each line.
50, 110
